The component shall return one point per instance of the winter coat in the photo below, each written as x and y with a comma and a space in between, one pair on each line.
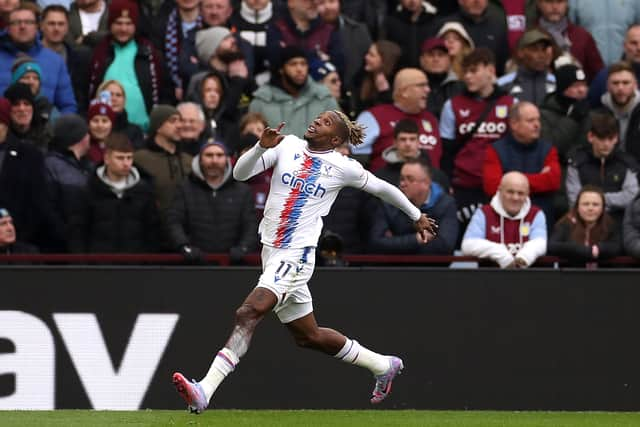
402, 29
402, 239
631, 228
55, 84
447, 89
213, 219
75, 27
107, 223
565, 126
560, 244
279, 106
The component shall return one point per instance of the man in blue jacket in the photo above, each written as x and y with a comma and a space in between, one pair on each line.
21, 39
391, 233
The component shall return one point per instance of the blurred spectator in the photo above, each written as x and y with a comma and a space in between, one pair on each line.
522, 150
509, 231
21, 39
193, 134
485, 23
606, 23
25, 124
292, 96
458, 43
564, 114
533, 80
112, 92
300, 25
254, 124
210, 90
406, 146
519, 14
171, 28
354, 35
443, 81
587, 233
410, 92
601, 164
26, 71
161, 158
326, 73
373, 82
88, 22
572, 39
6, 6
62, 3
23, 189
409, 25
392, 232
100, 117
372, 13
468, 124
251, 20
212, 212
216, 12
219, 53
67, 167
631, 228
54, 27
118, 213
622, 99
8, 242
631, 54
131, 60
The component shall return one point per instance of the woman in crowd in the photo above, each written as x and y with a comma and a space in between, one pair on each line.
210, 91
100, 117
373, 84
458, 43
112, 92
586, 233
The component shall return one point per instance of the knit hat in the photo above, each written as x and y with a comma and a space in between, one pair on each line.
319, 69
289, 52
568, 75
69, 129
123, 9
160, 114
98, 108
5, 111
19, 91
208, 41
215, 142
4, 213
24, 68
456, 27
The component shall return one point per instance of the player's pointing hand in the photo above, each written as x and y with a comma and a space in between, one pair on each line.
271, 137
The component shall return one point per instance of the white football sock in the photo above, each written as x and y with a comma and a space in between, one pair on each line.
358, 355
224, 363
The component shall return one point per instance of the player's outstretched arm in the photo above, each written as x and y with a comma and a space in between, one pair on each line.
426, 227
252, 162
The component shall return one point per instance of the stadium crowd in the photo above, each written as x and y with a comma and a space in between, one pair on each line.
514, 123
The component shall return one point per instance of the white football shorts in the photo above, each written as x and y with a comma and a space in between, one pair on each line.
286, 272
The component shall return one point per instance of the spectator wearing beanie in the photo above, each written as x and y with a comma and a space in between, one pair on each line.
67, 167
225, 223
292, 96
131, 60
26, 70
8, 239
564, 114
162, 157
100, 117
26, 125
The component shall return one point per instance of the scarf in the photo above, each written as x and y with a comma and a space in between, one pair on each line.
172, 45
557, 31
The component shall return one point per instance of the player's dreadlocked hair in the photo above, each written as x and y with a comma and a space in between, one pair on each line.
352, 132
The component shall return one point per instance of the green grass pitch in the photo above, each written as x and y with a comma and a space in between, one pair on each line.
313, 418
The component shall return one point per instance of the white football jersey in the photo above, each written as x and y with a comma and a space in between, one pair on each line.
304, 185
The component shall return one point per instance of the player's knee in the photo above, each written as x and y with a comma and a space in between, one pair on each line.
247, 314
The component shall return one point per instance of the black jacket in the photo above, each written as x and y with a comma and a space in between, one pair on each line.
214, 220
560, 244
106, 223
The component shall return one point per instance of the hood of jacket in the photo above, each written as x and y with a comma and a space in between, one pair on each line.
274, 93
497, 205
196, 171
130, 181
607, 101
194, 91
435, 194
